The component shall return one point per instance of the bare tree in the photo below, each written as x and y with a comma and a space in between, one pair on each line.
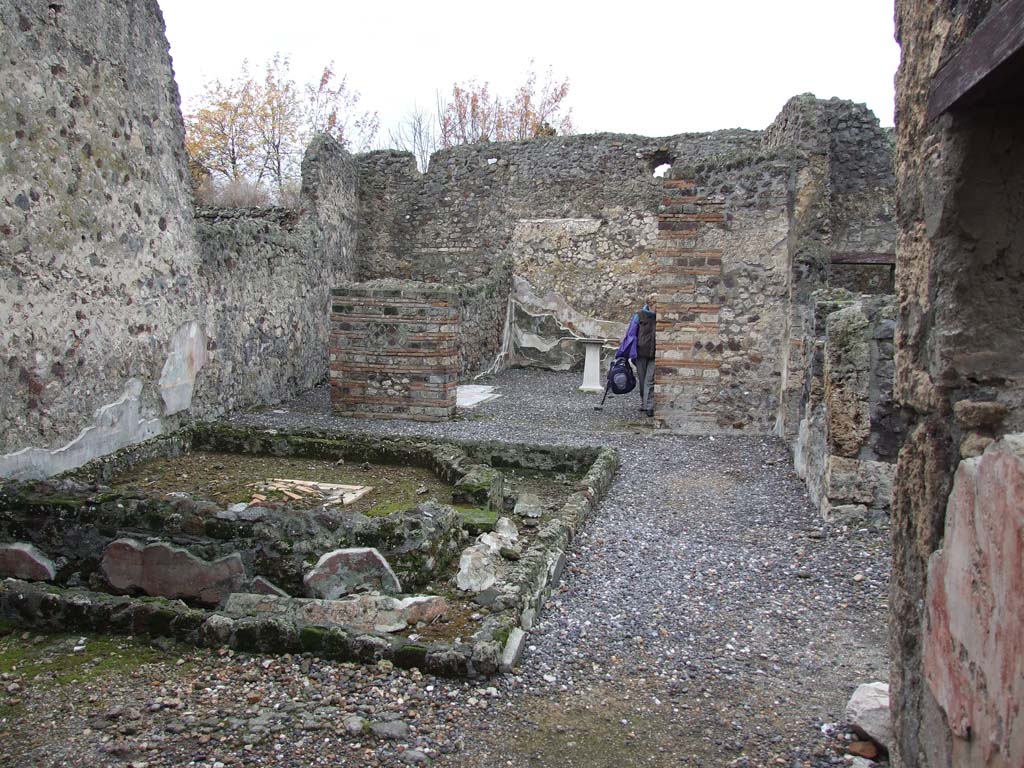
417, 133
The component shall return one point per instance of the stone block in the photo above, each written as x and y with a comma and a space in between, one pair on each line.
163, 570
979, 414
25, 561
847, 380
513, 650
528, 505
262, 586
342, 571
849, 481
477, 569
868, 713
364, 612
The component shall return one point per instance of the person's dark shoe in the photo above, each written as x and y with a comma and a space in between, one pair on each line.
650, 412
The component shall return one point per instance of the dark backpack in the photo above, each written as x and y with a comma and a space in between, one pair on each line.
645, 335
620, 376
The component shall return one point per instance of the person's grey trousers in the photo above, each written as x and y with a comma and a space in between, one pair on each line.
645, 380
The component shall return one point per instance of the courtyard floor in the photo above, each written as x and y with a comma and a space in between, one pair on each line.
706, 617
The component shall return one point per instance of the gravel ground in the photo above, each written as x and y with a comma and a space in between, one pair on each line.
706, 618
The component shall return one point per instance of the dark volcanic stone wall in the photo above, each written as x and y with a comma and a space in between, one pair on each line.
851, 429
957, 618
577, 214
97, 255
121, 316
842, 210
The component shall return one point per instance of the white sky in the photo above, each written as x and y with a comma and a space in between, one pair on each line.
653, 68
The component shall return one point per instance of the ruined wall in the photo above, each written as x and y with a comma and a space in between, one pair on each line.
721, 276
394, 349
122, 316
98, 256
957, 531
590, 230
842, 221
577, 215
483, 314
265, 276
850, 429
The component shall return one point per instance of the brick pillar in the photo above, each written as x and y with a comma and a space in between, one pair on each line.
394, 350
689, 338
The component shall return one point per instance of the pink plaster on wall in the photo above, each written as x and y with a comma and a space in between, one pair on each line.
974, 624
168, 571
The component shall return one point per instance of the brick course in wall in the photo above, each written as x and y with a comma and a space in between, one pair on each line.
689, 342
394, 350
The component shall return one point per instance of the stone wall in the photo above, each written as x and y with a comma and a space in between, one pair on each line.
842, 220
850, 429
394, 350
577, 215
956, 676
97, 254
590, 230
123, 315
266, 300
721, 276
483, 315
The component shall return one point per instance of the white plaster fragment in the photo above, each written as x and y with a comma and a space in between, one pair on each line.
552, 303
114, 426
185, 360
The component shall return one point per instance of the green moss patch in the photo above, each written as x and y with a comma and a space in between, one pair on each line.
477, 520
54, 658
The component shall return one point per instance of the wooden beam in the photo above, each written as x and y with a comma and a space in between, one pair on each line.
853, 257
990, 60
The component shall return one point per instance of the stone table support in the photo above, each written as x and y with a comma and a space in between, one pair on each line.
592, 365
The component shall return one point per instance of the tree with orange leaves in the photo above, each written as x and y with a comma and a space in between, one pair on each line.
252, 133
474, 114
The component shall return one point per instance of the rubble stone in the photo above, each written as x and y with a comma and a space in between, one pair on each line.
868, 713
164, 570
347, 570
25, 561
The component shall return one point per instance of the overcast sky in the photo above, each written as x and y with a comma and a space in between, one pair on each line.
652, 68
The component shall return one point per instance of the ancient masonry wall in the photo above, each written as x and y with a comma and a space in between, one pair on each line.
575, 215
394, 350
721, 276
842, 227
851, 429
589, 230
958, 532
483, 314
123, 315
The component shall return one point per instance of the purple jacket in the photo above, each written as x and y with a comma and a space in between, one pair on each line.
628, 346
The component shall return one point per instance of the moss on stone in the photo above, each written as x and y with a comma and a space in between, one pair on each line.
52, 658
313, 639
477, 520
411, 655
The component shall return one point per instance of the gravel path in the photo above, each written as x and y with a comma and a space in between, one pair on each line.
706, 618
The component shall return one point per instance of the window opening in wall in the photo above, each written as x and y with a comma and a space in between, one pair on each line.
661, 170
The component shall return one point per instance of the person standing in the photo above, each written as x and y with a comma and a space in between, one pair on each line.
640, 345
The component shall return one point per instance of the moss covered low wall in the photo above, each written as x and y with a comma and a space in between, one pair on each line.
75, 519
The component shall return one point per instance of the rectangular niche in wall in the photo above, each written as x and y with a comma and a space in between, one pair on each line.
394, 350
